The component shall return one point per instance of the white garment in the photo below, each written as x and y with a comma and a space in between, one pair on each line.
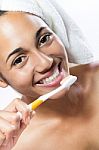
77, 49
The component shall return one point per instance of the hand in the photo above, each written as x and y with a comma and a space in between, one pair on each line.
11, 126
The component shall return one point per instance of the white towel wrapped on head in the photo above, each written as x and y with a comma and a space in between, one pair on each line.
77, 48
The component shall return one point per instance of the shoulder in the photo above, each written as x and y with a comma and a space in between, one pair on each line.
94, 67
88, 76
91, 68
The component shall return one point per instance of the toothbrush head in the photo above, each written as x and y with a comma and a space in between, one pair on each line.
65, 83
68, 81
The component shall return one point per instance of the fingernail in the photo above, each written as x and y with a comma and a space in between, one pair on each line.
20, 115
33, 112
29, 108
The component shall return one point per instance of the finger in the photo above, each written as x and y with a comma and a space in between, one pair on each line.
14, 119
18, 105
7, 129
2, 138
11, 117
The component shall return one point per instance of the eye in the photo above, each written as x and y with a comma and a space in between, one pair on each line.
19, 61
46, 38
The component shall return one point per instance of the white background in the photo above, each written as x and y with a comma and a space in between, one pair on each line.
86, 14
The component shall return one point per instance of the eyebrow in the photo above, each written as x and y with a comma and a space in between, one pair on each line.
39, 31
17, 50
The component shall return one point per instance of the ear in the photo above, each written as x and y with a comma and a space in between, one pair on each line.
3, 83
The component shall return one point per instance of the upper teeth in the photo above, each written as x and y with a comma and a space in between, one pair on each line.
51, 78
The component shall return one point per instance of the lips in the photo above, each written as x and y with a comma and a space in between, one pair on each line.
53, 83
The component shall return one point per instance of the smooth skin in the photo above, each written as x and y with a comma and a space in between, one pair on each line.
70, 119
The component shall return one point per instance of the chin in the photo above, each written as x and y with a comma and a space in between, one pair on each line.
60, 94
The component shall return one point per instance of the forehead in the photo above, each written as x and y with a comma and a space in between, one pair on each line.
16, 27
19, 18
13, 23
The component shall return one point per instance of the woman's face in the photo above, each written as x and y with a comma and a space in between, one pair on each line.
32, 57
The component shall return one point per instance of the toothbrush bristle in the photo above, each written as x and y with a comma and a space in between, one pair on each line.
68, 81
65, 79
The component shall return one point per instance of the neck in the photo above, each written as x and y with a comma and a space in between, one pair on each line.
72, 105
69, 105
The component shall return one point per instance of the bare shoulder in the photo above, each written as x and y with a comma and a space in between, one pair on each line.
91, 68
94, 66
88, 76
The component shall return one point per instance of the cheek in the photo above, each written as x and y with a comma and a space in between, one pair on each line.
58, 49
20, 80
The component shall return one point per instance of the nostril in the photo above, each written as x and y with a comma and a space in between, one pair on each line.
47, 69
44, 71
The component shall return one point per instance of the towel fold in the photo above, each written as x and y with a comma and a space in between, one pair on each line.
76, 46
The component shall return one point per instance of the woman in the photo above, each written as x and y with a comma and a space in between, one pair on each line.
31, 59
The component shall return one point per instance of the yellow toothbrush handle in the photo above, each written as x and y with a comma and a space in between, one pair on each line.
36, 103
32, 106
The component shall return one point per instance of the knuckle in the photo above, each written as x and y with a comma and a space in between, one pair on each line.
11, 129
17, 100
27, 111
2, 137
16, 118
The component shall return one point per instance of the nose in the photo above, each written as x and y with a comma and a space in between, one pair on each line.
42, 62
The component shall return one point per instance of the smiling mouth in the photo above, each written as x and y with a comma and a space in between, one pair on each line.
54, 79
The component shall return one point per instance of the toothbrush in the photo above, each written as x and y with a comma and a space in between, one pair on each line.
65, 83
